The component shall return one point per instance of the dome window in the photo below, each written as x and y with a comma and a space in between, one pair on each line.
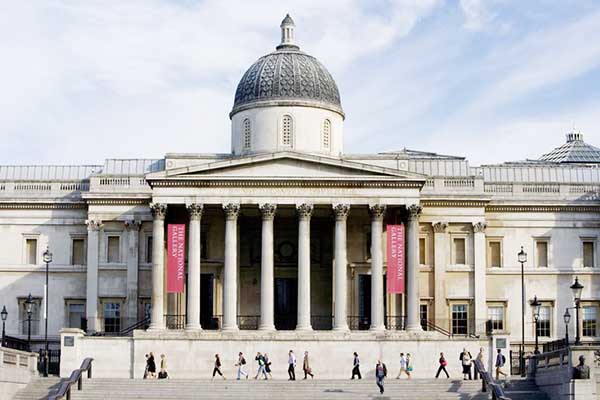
287, 131
326, 134
247, 135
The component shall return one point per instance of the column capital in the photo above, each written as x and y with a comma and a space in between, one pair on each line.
159, 210
304, 210
268, 211
232, 210
479, 227
195, 210
341, 211
440, 227
414, 210
377, 211
93, 224
132, 225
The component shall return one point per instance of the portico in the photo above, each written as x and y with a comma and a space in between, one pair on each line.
241, 200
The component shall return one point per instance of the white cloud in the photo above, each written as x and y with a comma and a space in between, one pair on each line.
477, 15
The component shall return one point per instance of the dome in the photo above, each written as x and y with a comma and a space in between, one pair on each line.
287, 77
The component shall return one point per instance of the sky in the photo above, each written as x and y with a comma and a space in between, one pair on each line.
490, 80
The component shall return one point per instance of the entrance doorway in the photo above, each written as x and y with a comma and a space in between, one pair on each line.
207, 318
364, 302
286, 303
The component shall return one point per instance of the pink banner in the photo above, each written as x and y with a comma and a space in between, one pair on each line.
175, 258
395, 258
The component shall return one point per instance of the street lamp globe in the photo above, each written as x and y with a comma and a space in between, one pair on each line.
567, 317
29, 304
577, 288
47, 256
522, 256
4, 313
536, 304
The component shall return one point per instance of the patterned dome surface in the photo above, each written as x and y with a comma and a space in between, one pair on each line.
287, 77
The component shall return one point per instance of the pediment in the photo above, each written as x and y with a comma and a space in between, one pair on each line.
286, 165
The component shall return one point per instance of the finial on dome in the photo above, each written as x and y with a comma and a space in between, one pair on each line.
287, 34
574, 135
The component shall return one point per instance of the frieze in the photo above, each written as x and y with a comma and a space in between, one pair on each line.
42, 206
517, 208
287, 183
118, 202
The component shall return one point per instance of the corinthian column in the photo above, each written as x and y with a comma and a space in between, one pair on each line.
266, 268
159, 212
341, 265
479, 276
377, 214
412, 269
193, 286
304, 214
91, 302
230, 268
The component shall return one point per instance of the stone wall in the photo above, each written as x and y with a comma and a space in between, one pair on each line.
16, 370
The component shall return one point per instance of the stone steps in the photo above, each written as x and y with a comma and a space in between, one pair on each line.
38, 388
416, 389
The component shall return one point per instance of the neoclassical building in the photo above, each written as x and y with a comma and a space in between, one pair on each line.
288, 233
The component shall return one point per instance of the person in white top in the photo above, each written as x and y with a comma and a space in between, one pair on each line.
291, 366
241, 365
403, 365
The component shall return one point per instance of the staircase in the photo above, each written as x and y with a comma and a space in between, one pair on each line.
416, 389
37, 389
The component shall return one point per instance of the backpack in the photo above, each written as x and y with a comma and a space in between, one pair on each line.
243, 361
162, 375
503, 359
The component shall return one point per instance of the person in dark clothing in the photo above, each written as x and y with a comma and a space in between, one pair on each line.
292, 365
151, 366
217, 368
380, 374
356, 367
442, 367
268, 365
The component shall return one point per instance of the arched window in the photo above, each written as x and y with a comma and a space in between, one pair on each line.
326, 134
247, 135
287, 131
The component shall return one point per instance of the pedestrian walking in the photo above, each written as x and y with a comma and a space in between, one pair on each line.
217, 368
261, 366
465, 359
306, 366
151, 366
163, 374
409, 365
292, 366
500, 361
442, 367
146, 371
267, 365
478, 365
241, 366
402, 366
356, 366
380, 374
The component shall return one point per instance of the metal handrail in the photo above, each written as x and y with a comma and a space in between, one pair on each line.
431, 325
64, 390
488, 381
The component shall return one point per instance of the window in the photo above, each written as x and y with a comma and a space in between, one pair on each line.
589, 320
422, 252
496, 317
326, 134
588, 254
287, 131
458, 254
541, 254
247, 135
149, 249
494, 254
31, 251
145, 308
78, 252
76, 315
543, 325
113, 249
35, 316
460, 319
112, 317
423, 313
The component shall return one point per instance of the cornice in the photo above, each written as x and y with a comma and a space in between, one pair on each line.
286, 183
454, 203
118, 202
547, 208
42, 206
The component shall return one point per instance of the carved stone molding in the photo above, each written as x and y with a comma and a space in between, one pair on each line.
232, 210
133, 225
341, 211
268, 211
414, 210
440, 227
479, 227
93, 225
304, 210
284, 184
195, 210
377, 211
159, 210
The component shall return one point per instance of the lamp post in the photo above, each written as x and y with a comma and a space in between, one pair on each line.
522, 257
28, 309
47, 259
567, 319
4, 315
536, 316
577, 288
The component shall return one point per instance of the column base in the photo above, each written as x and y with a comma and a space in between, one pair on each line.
193, 327
342, 328
414, 328
377, 328
233, 328
157, 327
268, 328
306, 328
